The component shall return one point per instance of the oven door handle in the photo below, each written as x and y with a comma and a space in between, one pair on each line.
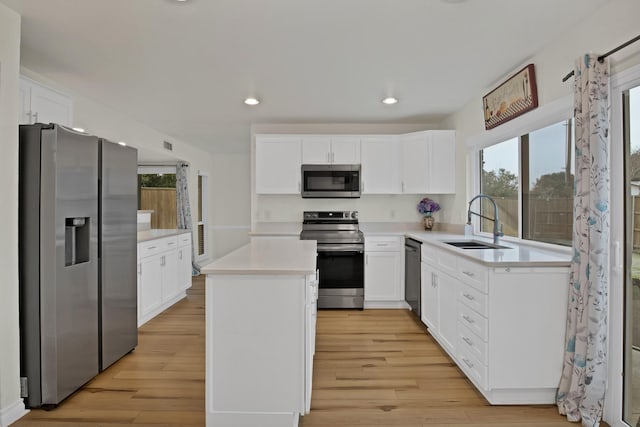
341, 248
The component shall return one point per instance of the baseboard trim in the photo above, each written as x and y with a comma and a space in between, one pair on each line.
12, 413
386, 304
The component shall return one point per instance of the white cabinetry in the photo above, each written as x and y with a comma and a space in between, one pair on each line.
260, 370
438, 294
383, 272
159, 284
278, 162
43, 105
427, 162
325, 150
504, 326
380, 165
184, 260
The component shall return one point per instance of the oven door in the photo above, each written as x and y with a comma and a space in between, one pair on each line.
341, 271
334, 181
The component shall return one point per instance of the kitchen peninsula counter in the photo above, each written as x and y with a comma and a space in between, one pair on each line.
159, 233
260, 333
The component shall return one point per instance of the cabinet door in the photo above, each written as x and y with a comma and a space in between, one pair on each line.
415, 163
442, 162
171, 283
184, 266
382, 277
316, 150
49, 106
150, 284
345, 150
429, 296
380, 158
447, 310
278, 165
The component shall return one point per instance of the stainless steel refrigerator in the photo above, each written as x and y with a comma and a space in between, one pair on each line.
77, 259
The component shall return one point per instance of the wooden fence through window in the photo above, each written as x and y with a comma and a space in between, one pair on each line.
162, 201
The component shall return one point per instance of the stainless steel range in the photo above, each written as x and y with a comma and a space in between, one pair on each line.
340, 257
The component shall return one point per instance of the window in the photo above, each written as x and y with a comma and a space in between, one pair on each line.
531, 179
201, 249
157, 192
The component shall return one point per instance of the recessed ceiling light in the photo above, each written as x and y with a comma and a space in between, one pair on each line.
124, 144
78, 129
252, 101
390, 100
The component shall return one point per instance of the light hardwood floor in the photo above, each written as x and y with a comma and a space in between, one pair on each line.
377, 368
159, 384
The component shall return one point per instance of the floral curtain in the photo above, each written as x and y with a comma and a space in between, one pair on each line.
583, 383
184, 208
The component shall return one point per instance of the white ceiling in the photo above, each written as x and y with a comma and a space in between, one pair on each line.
185, 68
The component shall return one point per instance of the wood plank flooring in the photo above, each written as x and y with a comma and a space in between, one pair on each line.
381, 368
375, 368
159, 384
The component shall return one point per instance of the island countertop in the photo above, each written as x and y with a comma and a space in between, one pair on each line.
159, 233
268, 256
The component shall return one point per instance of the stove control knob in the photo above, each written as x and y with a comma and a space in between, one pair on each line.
354, 215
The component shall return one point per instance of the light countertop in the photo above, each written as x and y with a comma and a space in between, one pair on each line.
268, 256
516, 254
156, 233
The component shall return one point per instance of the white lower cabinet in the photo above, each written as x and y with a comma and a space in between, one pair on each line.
260, 340
383, 272
184, 260
159, 282
503, 326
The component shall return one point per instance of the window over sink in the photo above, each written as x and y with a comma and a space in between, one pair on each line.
531, 179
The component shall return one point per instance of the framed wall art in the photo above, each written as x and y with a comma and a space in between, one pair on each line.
517, 95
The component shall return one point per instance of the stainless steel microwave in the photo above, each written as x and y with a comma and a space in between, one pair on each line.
330, 181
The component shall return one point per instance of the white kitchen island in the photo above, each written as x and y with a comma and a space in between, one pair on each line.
260, 334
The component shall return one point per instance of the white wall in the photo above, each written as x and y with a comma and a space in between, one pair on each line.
372, 208
11, 405
611, 25
230, 207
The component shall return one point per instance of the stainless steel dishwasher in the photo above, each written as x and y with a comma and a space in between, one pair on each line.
412, 274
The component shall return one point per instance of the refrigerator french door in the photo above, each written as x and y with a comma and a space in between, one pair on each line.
77, 313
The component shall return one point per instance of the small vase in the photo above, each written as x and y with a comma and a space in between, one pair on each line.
428, 221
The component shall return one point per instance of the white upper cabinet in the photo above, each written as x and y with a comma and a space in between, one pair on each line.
380, 161
428, 162
278, 162
39, 104
327, 150
442, 164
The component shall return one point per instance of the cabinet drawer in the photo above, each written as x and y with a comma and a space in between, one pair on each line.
473, 344
184, 240
476, 323
152, 247
472, 367
382, 244
473, 299
447, 262
473, 274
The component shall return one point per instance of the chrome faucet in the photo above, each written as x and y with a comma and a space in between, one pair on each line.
497, 232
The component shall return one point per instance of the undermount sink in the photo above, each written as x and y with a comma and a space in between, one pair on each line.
474, 244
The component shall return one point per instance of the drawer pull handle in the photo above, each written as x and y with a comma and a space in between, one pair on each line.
469, 297
468, 341
468, 319
468, 273
151, 247
171, 243
469, 364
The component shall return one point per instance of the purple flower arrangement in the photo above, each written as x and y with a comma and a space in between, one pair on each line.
427, 205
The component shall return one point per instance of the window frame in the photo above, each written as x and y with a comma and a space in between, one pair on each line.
202, 198
547, 115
